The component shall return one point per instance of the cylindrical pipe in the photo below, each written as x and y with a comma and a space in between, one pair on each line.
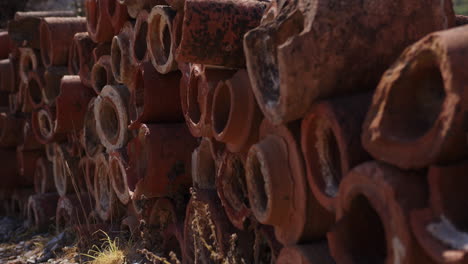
123, 65
135, 6
15, 103
118, 175
89, 136
266, 248
72, 210
111, 113
81, 59
217, 43
6, 45
41, 208
106, 203
35, 87
9, 128
277, 186
155, 97
98, 20
101, 74
205, 163
29, 60
56, 38
53, 77
87, 167
317, 253
119, 15
235, 115
331, 144
26, 162
417, 115
140, 31
65, 170
374, 204
43, 176
291, 68
43, 121
8, 76
161, 39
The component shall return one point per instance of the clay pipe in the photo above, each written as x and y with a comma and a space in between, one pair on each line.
424, 125
461, 20
98, 20
331, 144
8, 76
235, 115
41, 208
6, 45
101, 74
285, 89
140, 31
275, 169
56, 38
29, 60
51, 89
217, 43
89, 136
123, 65
118, 13
81, 59
65, 171
118, 164
266, 248
161, 39
35, 87
87, 166
43, 176
135, 6
373, 214
205, 164
306, 254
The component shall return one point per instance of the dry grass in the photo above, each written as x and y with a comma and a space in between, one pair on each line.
108, 253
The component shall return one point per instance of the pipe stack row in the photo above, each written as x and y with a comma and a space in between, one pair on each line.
214, 131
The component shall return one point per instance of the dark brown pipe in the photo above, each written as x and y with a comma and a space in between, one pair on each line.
417, 114
98, 20
118, 164
8, 82
35, 87
29, 141
140, 31
331, 144
81, 59
135, 6
43, 176
53, 77
205, 163
217, 43
6, 45
26, 162
41, 209
66, 173
10, 126
30, 60
87, 166
317, 253
123, 65
43, 122
119, 15
89, 136
101, 74
19, 201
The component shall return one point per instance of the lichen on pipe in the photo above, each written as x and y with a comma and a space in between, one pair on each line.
413, 128
43, 176
217, 43
101, 74
80, 58
6, 45
98, 20
123, 65
295, 58
140, 31
316, 253
42, 121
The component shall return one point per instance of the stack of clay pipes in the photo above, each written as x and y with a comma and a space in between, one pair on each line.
313, 131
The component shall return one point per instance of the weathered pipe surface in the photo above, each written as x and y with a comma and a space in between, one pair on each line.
89, 137
373, 214
8, 76
43, 122
106, 202
88, 166
26, 162
29, 141
73, 144
30, 60
111, 114
232, 189
277, 186
67, 178
81, 59
98, 20
135, 6
9, 127
176, 4
9, 170
56, 38
123, 65
441, 228
41, 208
24, 28
161, 40
118, 164
6, 45
317, 253
53, 78
235, 116
197, 97
43, 176
155, 97
140, 31
417, 114
331, 144
205, 163
266, 247
101, 74
72, 210
213, 31
35, 86
302, 55
461, 20
119, 15
165, 151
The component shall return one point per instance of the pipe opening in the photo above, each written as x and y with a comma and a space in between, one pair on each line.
45, 123
258, 192
116, 58
118, 176
139, 46
221, 107
46, 44
194, 111
99, 77
103, 188
109, 120
234, 184
205, 166
35, 90
160, 39
415, 101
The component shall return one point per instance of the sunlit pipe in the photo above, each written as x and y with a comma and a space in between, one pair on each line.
197, 96
106, 203
52, 77
140, 31
41, 208
8, 76
29, 60
331, 144
87, 166
98, 20
119, 15
373, 214
6, 45
72, 210
56, 38
440, 229
89, 136
111, 114
161, 39
286, 89
35, 87
101, 74
81, 59
154, 97
9, 127
166, 155
217, 43
266, 247
135, 6
235, 116
275, 170
24, 28
123, 65
424, 125
118, 175
205, 163
65, 171
306, 254
43, 176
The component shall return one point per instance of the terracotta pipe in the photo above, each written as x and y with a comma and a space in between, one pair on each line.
80, 58
118, 164
266, 248
331, 144
425, 125
87, 166
9, 171
154, 97
53, 77
8, 75
107, 205
101, 49
111, 114
43, 176
140, 31
35, 87
123, 65
29, 60
98, 20
41, 209
461, 20
66, 173
217, 43
42, 121
441, 228
205, 163
9, 127
14, 103
135, 6
101, 74
89, 136
29, 141
161, 39
57, 37
235, 116
26, 162
72, 210
375, 201
286, 89
24, 28
6, 45
119, 15
306, 254
165, 152
50, 151
176, 4
275, 169
197, 96
232, 189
